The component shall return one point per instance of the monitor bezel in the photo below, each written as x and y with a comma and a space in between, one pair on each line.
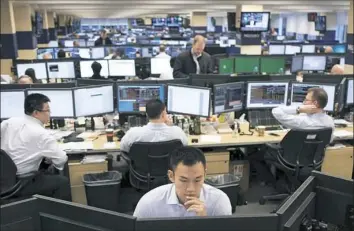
229, 110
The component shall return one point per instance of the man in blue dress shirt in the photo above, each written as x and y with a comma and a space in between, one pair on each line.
187, 195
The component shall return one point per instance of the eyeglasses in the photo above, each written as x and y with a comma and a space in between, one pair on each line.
48, 110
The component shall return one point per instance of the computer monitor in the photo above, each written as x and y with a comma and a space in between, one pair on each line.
99, 96
267, 94
121, 67
68, 43
273, 65
86, 70
247, 64
308, 48
292, 50
314, 63
85, 53
198, 99
64, 70
12, 103
132, 98
226, 66
276, 49
349, 98
44, 51
208, 80
340, 48
228, 97
39, 69
97, 52
299, 92
296, 63
61, 101
160, 65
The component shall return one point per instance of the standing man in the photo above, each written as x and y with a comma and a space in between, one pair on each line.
195, 61
103, 39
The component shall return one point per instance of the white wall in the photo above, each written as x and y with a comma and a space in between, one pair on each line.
302, 24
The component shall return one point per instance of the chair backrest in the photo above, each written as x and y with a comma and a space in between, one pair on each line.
305, 147
152, 158
8, 171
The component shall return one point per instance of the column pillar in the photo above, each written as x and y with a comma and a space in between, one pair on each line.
8, 38
62, 25
51, 26
199, 22
26, 39
43, 40
348, 69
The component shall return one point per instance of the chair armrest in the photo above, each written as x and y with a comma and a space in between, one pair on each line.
27, 175
273, 146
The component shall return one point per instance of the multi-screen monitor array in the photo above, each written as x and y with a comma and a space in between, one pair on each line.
111, 67
132, 98
292, 49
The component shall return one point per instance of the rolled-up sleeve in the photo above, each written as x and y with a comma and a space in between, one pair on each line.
51, 150
287, 116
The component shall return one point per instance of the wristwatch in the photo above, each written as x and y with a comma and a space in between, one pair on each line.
298, 110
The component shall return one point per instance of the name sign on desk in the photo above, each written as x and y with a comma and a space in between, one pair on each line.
210, 139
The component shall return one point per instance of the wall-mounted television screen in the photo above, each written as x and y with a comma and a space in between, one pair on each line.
255, 21
321, 23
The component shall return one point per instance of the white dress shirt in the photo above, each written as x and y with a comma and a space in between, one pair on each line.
163, 55
163, 202
27, 142
167, 74
152, 132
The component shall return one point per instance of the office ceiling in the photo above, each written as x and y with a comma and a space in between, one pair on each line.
146, 8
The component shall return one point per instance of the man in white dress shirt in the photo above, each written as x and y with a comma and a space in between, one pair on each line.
187, 195
162, 53
29, 145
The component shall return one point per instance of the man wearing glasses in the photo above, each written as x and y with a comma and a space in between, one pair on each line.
29, 144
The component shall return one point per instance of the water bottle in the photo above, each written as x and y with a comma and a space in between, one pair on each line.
186, 127
235, 130
255, 70
281, 71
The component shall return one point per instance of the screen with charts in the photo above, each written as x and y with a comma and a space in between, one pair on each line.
314, 63
160, 65
292, 50
266, 95
296, 63
255, 21
228, 97
61, 101
64, 70
308, 49
39, 69
86, 70
12, 104
350, 92
121, 67
133, 98
276, 49
148, 52
299, 92
188, 100
340, 48
97, 52
99, 96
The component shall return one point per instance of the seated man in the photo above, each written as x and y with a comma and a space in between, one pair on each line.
156, 130
187, 195
96, 69
24, 79
28, 143
337, 70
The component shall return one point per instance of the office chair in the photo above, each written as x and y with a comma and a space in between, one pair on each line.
300, 152
149, 163
11, 184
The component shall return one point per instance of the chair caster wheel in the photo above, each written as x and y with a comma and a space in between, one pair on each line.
262, 201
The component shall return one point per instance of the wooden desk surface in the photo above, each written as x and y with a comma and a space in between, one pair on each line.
226, 140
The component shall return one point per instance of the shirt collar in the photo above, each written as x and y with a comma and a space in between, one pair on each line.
156, 125
194, 54
35, 120
173, 199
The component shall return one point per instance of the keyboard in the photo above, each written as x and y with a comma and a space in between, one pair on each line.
273, 128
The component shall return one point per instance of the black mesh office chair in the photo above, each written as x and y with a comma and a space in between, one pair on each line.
11, 184
149, 163
300, 152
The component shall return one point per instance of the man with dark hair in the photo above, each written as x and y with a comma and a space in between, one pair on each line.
29, 145
195, 61
187, 195
96, 69
25, 79
156, 130
32, 74
162, 53
103, 39
61, 54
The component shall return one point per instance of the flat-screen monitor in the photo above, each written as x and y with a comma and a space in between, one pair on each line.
198, 100
121, 67
296, 63
321, 23
255, 21
226, 66
85, 53
132, 98
69, 43
86, 70
160, 65
93, 100
12, 103
97, 52
39, 69
299, 92
158, 21
349, 98
267, 94
314, 63
339, 48
64, 70
61, 101
44, 51
308, 48
272, 65
228, 97
244, 64
276, 49
292, 50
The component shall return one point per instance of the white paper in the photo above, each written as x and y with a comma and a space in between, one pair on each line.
210, 139
110, 145
76, 145
342, 134
87, 135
